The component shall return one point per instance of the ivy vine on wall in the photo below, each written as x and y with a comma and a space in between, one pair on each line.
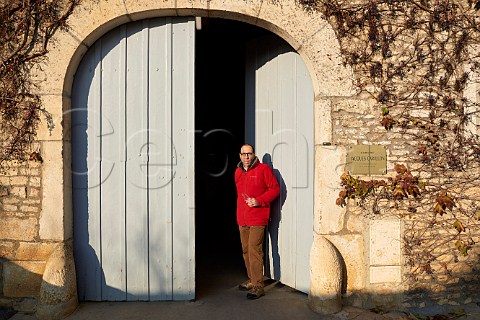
419, 60
27, 30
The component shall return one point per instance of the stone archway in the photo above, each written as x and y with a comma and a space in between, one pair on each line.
309, 34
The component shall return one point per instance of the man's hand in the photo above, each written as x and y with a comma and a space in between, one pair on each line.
252, 202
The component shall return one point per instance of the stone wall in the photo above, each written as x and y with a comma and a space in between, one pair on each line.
23, 254
388, 279
454, 279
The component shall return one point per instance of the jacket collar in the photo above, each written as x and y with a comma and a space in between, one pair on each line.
254, 163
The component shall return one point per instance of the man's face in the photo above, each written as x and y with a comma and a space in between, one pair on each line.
246, 156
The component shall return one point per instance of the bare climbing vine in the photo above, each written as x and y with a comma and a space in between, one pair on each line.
419, 60
27, 30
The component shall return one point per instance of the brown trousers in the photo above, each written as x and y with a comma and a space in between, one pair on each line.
252, 248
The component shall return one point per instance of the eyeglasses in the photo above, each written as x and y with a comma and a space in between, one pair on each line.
246, 154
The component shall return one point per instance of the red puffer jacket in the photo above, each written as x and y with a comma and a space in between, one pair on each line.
258, 182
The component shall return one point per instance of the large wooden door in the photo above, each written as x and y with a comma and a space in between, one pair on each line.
133, 164
279, 123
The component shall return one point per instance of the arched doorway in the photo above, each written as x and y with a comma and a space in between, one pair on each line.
220, 91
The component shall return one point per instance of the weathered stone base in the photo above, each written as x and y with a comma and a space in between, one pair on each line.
58, 292
57, 311
326, 277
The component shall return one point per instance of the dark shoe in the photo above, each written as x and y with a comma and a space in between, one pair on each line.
255, 293
247, 285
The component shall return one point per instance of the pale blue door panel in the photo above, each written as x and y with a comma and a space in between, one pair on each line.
279, 122
133, 177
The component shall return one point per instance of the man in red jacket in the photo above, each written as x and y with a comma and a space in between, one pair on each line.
257, 187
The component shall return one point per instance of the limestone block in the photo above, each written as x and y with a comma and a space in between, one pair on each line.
92, 19
53, 105
326, 277
51, 217
9, 208
47, 75
185, 7
4, 180
31, 170
18, 180
386, 274
356, 223
16, 228
35, 182
323, 121
22, 278
352, 249
385, 246
134, 7
34, 251
25, 308
58, 292
67, 119
355, 106
11, 169
67, 196
331, 77
3, 188
146, 10
295, 24
31, 202
7, 249
245, 11
329, 162
33, 193
29, 209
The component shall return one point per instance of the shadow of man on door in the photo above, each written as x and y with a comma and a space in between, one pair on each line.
271, 239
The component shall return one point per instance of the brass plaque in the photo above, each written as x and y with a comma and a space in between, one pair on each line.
367, 160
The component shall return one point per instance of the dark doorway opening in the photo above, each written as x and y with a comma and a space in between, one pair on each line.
220, 131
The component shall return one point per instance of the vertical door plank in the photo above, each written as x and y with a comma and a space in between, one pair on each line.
160, 163
95, 177
267, 97
113, 138
183, 148
86, 174
136, 166
304, 171
284, 137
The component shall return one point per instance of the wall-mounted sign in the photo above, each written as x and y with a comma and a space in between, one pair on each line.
367, 160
